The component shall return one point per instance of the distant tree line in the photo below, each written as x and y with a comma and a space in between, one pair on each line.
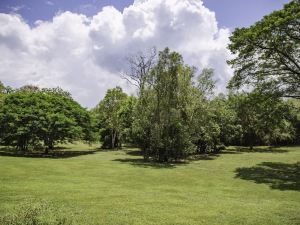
176, 112
174, 115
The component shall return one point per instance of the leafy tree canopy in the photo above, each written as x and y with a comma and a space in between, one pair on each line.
111, 115
30, 116
267, 54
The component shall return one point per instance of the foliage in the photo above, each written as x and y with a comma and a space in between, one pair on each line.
176, 116
2, 87
164, 113
267, 54
113, 114
264, 119
4, 90
127, 118
206, 84
295, 111
226, 117
204, 130
30, 116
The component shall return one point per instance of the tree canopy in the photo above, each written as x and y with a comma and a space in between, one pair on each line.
267, 54
30, 117
113, 114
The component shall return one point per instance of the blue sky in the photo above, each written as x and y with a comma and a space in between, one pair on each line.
229, 13
82, 47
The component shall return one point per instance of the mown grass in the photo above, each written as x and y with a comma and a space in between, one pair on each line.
117, 187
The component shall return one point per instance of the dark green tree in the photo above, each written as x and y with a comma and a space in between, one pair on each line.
265, 119
225, 116
32, 116
64, 119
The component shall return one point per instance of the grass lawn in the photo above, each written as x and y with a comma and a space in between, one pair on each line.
116, 187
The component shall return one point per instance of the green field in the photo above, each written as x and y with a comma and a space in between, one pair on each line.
117, 187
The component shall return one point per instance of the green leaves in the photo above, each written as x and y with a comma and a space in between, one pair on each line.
265, 119
161, 118
31, 116
268, 53
113, 114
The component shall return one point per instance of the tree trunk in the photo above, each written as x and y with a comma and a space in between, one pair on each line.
49, 145
113, 139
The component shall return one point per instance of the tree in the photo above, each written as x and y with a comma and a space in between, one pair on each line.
109, 113
18, 121
139, 67
4, 90
162, 121
226, 117
206, 84
173, 117
64, 120
264, 119
267, 54
127, 117
30, 116
295, 105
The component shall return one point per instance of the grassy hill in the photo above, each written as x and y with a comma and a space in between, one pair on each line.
117, 187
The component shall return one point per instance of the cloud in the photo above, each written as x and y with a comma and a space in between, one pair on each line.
16, 8
85, 55
49, 3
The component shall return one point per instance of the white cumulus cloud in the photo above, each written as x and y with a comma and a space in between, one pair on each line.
85, 55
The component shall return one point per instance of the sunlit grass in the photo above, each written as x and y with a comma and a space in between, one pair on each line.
118, 187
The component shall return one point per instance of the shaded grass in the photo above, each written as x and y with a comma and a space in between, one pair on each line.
60, 151
141, 162
118, 187
278, 175
53, 154
265, 149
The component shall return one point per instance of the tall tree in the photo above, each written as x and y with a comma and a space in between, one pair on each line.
162, 120
267, 54
206, 83
139, 67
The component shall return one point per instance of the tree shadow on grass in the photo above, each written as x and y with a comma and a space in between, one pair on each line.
257, 150
134, 152
277, 175
210, 156
56, 154
150, 163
